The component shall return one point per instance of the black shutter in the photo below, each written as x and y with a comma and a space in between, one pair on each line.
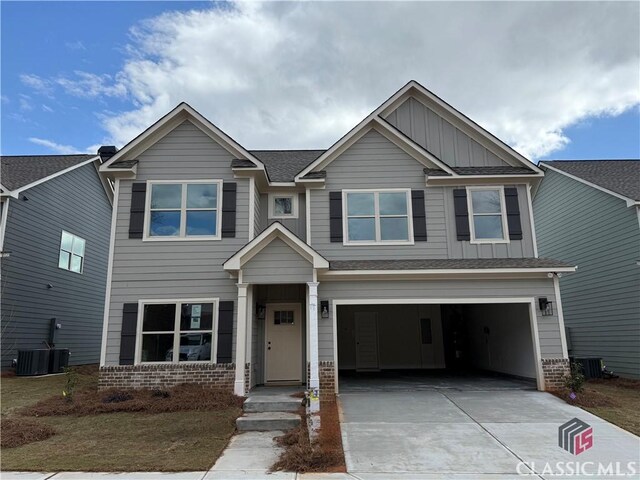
513, 213
128, 333
136, 213
229, 209
335, 216
225, 331
462, 214
419, 217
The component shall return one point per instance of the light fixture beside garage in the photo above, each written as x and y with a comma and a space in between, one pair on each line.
546, 307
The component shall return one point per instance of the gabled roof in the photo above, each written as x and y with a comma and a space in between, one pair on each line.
273, 231
617, 177
283, 165
21, 170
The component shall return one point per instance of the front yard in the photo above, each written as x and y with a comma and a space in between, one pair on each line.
187, 437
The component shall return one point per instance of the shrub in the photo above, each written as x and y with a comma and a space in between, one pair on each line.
117, 397
574, 380
70, 385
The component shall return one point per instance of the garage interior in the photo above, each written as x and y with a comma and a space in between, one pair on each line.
442, 344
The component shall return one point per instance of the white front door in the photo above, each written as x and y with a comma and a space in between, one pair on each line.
366, 341
283, 349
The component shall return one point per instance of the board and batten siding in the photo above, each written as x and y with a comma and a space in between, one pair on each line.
601, 301
77, 203
548, 327
375, 162
175, 269
277, 263
437, 135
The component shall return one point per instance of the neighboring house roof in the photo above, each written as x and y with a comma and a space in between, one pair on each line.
284, 165
447, 264
22, 170
620, 177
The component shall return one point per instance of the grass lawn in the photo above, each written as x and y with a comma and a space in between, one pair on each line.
122, 441
625, 411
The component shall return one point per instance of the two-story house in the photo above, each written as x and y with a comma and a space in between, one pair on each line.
54, 239
408, 244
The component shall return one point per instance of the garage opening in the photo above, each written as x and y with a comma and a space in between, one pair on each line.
436, 344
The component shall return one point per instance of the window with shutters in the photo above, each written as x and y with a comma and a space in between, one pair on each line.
183, 210
373, 217
71, 255
174, 331
487, 215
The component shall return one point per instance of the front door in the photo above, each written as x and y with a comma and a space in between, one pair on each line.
366, 341
283, 349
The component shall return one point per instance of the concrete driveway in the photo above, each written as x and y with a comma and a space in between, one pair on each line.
462, 431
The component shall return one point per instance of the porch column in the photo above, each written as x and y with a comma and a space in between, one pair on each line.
241, 341
314, 380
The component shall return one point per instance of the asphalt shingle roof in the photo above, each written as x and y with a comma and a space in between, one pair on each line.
619, 176
18, 171
450, 263
504, 170
284, 165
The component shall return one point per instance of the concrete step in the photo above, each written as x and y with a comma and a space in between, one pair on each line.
272, 403
263, 421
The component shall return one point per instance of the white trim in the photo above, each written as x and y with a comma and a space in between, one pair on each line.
107, 294
183, 212
176, 329
14, 193
376, 217
275, 230
503, 215
532, 223
442, 180
630, 201
4, 213
252, 207
563, 333
307, 206
442, 301
294, 204
447, 271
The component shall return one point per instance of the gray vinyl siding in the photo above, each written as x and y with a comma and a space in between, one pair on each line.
375, 162
277, 263
297, 225
75, 202
548, 329
174, 269
601, 301
258, 224
437, 135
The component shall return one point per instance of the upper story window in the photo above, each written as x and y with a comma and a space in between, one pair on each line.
377, 217
283, 205
177, 331
183, 210
71, 252
488, 214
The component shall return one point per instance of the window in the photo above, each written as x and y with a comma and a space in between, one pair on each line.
283, 205
382, 216
283, 317
487, 210
177, 331
188, 210
71, 252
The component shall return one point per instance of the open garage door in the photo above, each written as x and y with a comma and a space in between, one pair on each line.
457, 340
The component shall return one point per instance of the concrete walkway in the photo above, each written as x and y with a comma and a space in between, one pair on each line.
172, 476
451, 433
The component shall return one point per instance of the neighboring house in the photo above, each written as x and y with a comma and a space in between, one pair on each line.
408, 244
54, 239
588, 213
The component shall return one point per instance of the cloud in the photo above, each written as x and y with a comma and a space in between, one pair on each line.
47, 108
77, 45
53, 146
300, 75
4, 99
40, 85
25, 103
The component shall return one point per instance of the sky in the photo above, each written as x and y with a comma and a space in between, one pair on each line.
553, 80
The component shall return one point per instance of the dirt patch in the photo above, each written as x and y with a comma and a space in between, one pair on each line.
588, 398
92, 402
617, 382
22, 431
325, 454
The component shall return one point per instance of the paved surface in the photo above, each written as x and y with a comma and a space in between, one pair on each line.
461, 431
172, 476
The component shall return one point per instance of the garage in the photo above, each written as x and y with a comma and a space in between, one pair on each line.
439, 341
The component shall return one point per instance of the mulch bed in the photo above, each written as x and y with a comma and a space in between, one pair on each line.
21, 431
325, 454
587, 398
92, 402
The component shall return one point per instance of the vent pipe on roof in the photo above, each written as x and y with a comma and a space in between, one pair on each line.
106, 152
